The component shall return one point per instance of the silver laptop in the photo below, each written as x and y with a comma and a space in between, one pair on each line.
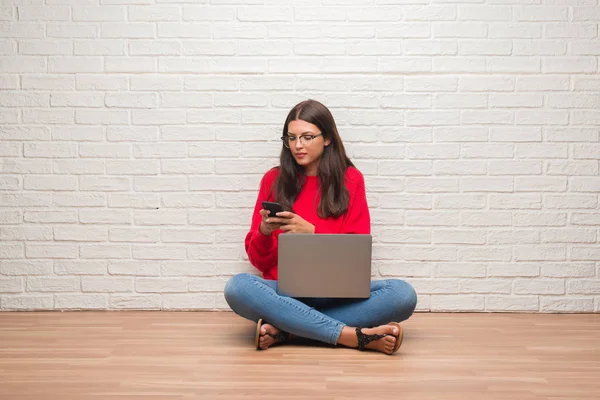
324, 265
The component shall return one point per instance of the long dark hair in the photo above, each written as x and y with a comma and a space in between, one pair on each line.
332, 165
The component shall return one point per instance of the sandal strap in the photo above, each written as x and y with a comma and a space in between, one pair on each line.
364, 339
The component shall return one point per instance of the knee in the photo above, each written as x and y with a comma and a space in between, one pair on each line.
405, 299
235, 289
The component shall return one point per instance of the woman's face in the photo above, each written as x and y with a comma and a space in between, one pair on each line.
306, 151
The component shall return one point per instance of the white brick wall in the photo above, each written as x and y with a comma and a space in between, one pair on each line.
133, 135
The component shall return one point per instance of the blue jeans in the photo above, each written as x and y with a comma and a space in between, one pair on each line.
319, 319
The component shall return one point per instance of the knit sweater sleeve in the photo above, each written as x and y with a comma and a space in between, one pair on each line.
262, 249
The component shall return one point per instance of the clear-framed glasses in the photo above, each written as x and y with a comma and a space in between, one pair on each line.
305, 140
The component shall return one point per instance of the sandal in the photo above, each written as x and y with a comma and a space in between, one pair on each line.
364, 339
279, 337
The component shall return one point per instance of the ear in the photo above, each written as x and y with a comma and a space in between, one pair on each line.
327, 142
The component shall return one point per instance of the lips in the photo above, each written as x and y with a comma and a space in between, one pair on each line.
300, 155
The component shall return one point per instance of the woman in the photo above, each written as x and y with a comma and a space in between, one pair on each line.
323, 193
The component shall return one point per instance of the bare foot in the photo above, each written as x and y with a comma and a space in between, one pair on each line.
268, 336
384, 345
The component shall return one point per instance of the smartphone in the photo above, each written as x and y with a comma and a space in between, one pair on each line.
273, 208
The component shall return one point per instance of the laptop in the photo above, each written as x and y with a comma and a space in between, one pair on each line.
324, 265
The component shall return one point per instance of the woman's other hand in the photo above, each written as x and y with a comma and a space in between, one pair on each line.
293, 223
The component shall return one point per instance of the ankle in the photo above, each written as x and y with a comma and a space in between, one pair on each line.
348, 337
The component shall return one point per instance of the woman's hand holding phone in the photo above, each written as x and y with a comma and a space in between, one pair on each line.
273, 218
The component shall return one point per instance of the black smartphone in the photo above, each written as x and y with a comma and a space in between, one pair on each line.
273, 208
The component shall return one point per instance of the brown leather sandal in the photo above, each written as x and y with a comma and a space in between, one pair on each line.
279, 337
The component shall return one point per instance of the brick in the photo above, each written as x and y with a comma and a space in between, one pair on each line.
570, 30
26, 233
80, 234
585, 253
106, 284
77, 134
188, 302
520, 134
517, 167
570, 65
25, 199
133, 167
432, 118
101, 150
161, 285
415, 236
459, 201
160, 184
566, 304
515, 30
48, 250
135, 302
132, 200
208, 13
43, 116
453, 236
496, 184
104, 183
539, 48
513, 236
79, 302
155, 48
45, 47
405, 201
11, 216
485, 286
50, 182
53, 284
134, 268
26, 268
426, 253
27, 302
515, 201
570, 201
134, 235
510, 270
188, 268
568, 235
485, 218
568, 270
100, 47
437, 185
22, 30
11, 285
104, 82
51, 217
71, 31
160, 217
131, 64
129, 30
462, 134
487, 83
536, 150
457, 302
539, 253
78, 200
540, 83
78, 267
512, 303
187, 235
132, 133
101, 117
585, 218
91, 216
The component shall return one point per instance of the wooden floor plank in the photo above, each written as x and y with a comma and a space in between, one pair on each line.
186, 355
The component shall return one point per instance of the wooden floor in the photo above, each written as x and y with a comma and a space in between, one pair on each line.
185, 355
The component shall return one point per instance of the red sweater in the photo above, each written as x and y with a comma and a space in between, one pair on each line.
262, 250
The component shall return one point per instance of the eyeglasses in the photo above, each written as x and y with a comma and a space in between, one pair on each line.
305, 140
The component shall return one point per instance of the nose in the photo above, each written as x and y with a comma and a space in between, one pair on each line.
298, 144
